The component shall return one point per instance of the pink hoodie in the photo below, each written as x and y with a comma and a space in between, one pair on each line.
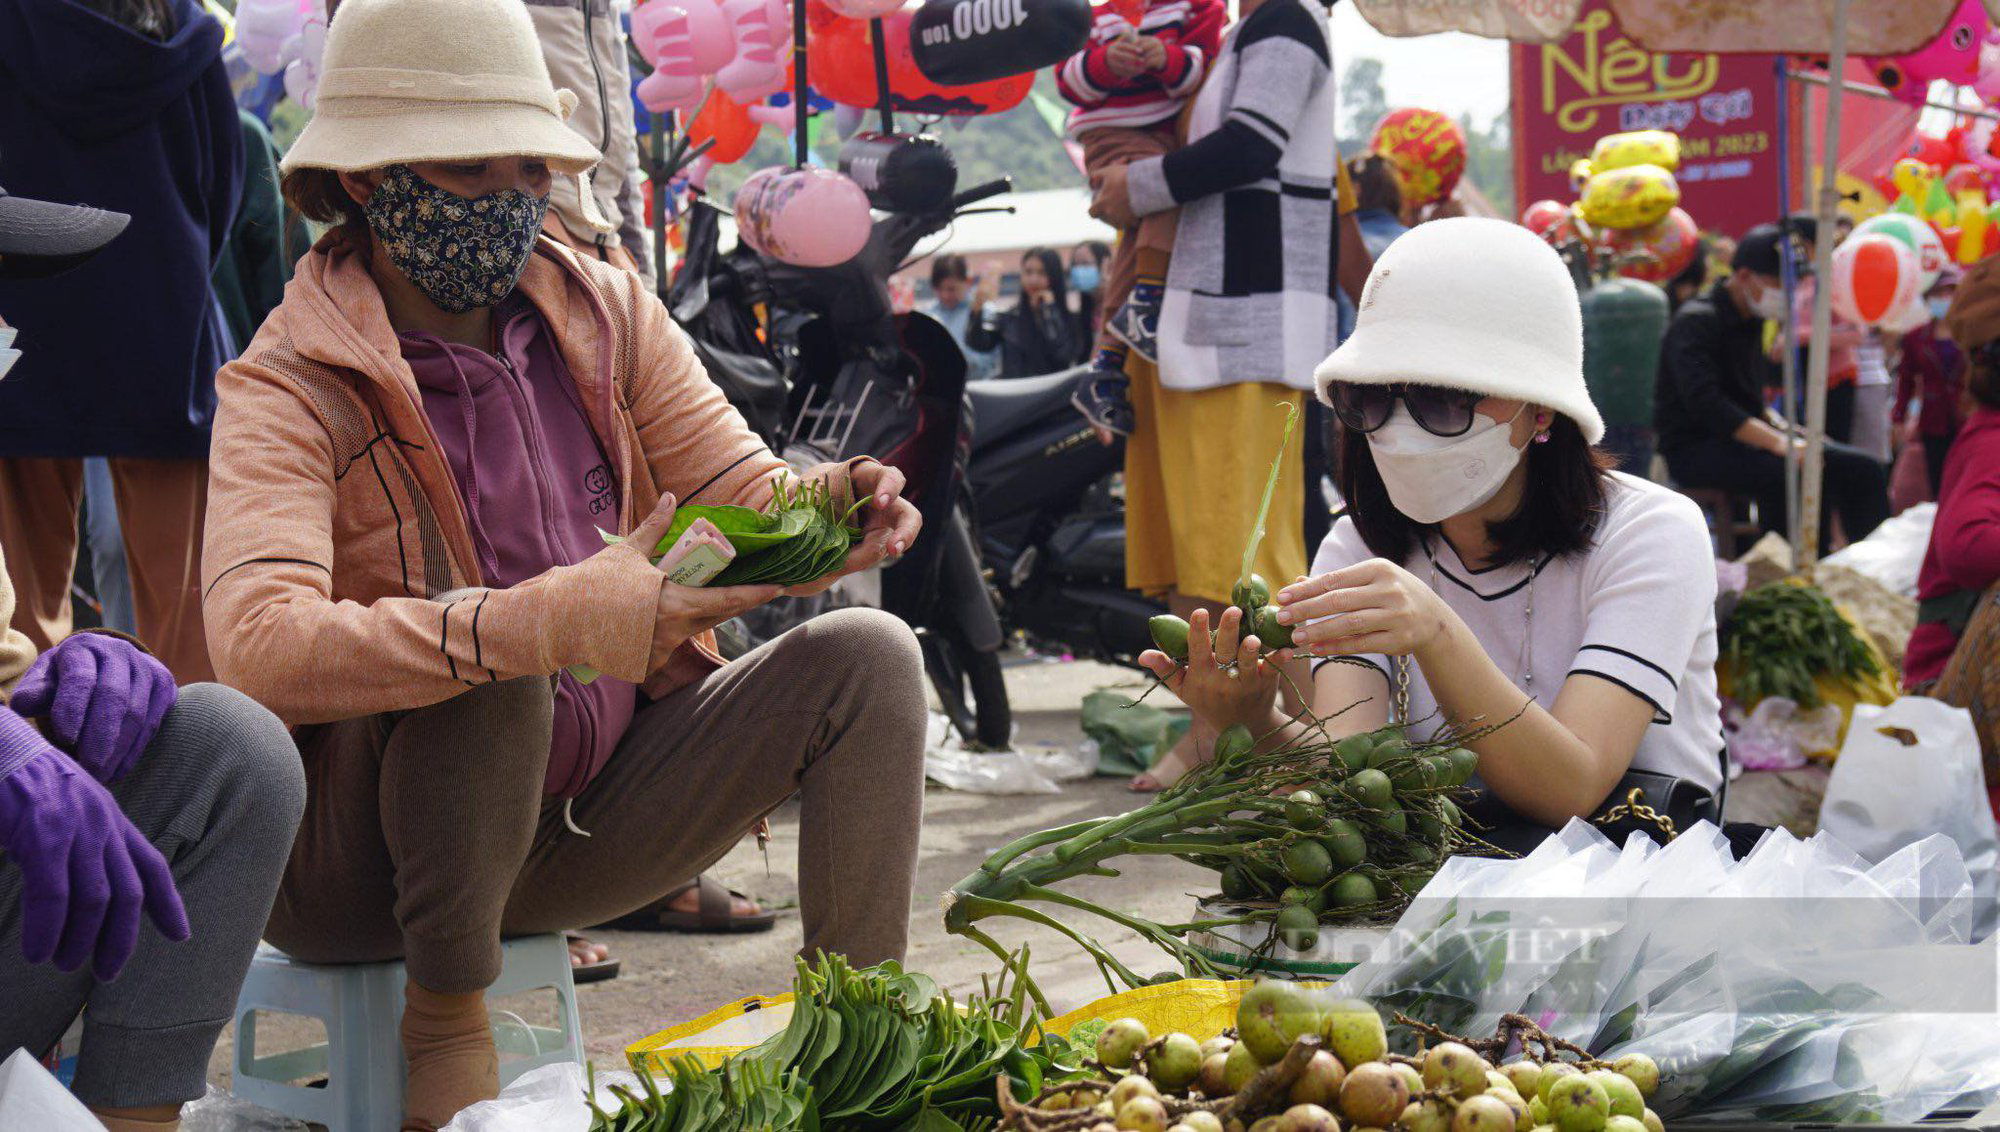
536, 486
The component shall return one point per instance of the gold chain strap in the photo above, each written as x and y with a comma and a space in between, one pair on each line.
1402, 691
1635, 807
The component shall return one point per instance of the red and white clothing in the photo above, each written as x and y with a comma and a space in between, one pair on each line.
1191, 30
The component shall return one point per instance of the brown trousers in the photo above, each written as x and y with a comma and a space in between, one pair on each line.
427, 836
1154, 237
161, 505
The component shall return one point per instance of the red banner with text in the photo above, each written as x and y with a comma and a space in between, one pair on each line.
1596, 82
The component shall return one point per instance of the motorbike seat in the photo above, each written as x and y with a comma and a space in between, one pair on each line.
1002, 405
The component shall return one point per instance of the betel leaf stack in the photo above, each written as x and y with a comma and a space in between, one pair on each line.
876, 1049
801, 536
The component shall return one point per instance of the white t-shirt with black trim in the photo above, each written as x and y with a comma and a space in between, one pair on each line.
1637, 608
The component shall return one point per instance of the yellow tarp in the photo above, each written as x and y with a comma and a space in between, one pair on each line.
1201, 1007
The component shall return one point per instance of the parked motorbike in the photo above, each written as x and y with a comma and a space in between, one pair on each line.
1051, 521
857, 378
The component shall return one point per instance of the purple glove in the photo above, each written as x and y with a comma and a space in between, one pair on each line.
103, 697
85, 871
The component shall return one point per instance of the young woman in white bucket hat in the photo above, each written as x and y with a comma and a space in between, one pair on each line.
412, 464
1487, 556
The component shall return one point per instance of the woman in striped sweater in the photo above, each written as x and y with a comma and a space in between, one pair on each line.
1249, 311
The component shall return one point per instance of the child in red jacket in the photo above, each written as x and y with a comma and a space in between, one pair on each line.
1143, 62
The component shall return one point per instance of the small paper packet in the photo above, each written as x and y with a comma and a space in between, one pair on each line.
701, 553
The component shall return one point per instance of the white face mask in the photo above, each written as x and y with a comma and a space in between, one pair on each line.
1431, 478
1770, 304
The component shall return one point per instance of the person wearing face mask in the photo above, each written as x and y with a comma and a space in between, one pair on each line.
413, 462
1715, 429
1489, 565
1038, 334
1086, 284
1930, 378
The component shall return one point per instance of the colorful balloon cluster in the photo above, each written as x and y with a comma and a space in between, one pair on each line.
1428, 150
284, 37
722, 61
1955, 200
1628, 206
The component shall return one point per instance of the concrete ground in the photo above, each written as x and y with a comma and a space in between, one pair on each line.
669, 978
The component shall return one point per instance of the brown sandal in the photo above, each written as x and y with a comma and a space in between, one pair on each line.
582, 973
716, 915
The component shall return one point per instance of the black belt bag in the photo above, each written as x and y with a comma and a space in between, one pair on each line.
1661, 806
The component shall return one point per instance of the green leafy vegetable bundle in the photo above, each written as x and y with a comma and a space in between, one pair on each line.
803, 535
748, 1098
1783, 637
873, 1050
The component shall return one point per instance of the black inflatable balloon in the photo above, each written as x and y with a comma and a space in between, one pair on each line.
974, 41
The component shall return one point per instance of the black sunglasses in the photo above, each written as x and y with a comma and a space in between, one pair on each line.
1438, 411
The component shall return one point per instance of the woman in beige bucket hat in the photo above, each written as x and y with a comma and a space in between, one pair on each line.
412, 463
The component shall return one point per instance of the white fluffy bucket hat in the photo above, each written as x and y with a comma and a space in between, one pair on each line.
1465, 303
437, 80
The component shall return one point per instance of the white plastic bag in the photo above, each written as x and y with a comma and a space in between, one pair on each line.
1893, 552
30, 1098
1032, 769
1910, 770
1802, 983
217, 1111
548, 1099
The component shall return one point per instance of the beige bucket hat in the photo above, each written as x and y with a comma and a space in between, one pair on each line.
437, 80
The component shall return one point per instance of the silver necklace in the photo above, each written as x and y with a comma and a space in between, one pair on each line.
1526, 677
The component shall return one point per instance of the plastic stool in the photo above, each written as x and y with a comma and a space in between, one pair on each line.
361, 1005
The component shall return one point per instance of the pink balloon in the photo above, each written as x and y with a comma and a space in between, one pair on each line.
758, 70
262, 29
804, 217
690, 36
1987, 84
660, 30
1953, 56
302, 83
714, 46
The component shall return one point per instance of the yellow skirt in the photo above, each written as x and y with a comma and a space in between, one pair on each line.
1194, 474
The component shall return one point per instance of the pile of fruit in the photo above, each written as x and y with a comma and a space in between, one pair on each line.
1291, 1066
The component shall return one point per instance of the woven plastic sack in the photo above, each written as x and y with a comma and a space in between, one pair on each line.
716, 1036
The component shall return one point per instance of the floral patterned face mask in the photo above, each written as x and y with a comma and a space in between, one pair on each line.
461, 253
